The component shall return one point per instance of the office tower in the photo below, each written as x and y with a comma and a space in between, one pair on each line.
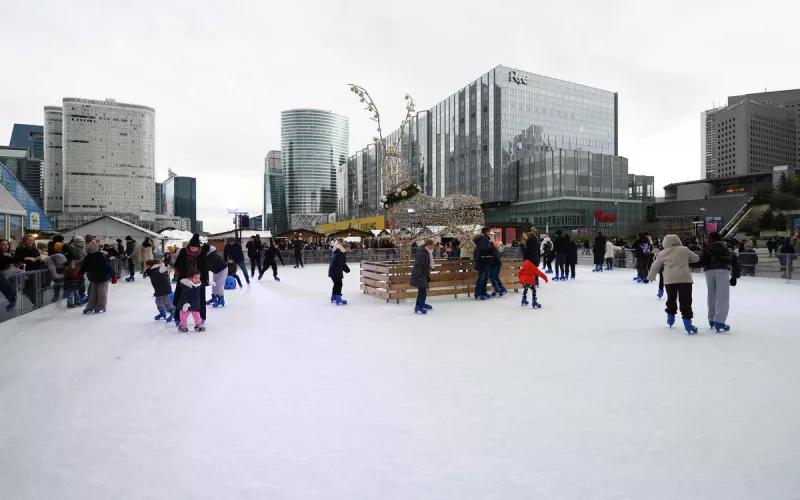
30, 137
53, 178
179, 197
274, 213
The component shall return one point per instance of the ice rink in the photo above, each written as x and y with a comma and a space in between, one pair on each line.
286, 396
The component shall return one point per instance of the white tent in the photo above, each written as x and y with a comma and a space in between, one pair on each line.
109, 228
246, 234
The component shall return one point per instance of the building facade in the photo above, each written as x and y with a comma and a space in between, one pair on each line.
708, 143
313, 145
108, 160
274, 211
35, 217
26, 168
53, 178
165, 221
787, 99
29, 137
179, 198
159, 201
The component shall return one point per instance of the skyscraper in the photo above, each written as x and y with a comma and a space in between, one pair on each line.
313, 146
274, 210
53, 178
179, 197
30, 137
107, 161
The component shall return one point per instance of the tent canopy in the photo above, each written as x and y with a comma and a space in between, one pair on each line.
300, 233
111, 228
349, 233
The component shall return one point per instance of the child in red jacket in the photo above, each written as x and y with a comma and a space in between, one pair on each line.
527, 277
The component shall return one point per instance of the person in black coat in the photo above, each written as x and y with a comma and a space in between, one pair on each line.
532, 251
162, 288
297, 245
748, 259
189, 259
599, 251
336, 270
233, 251
99, 271
270, 252
571, 259
560, 249
421, 276
27, 256
192, 301
254, 253
483, 260
51, 250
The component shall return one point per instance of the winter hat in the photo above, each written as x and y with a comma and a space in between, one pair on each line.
195, 241
58, 238
206, 247
58, 246
92, 247
128, 238
79, 241
171, 248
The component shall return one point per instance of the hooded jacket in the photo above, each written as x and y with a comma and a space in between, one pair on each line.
483, 252
56, 263
676, 260
610, 249
572, 251
130, 250
338, 264
146, 251
214, 261
531, 251
529, 273
75, 250
190, 295
269, 255
233, 251
96, 265
421, 272
559, 247
717, 255
547, 245
159, 278
186, 261
72, 278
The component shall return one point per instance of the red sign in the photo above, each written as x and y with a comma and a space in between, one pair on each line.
601, 216
511, 235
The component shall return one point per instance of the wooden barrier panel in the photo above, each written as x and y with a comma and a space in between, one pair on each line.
390, 280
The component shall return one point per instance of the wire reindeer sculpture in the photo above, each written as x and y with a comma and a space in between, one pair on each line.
411, 214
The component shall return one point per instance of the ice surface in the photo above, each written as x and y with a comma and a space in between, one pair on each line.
289, 397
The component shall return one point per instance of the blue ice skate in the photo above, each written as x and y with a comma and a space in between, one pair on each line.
130, 279
549, 271
333, 299
535, 304
99, 310
636, 278
87, 311
212, 302
711, 324
556, 277
670, 320
420, 310
690, 328
503, 290
169, 318
660, 294
428, 306
340, 301
524, 301
276, 278
221, 301
722, 327
494, 293
162, 313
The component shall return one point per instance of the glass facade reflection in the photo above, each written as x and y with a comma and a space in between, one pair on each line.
179, 198
274, 211
35, 218
313, 147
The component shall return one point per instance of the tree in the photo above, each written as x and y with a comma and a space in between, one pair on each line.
763, 194
782, 183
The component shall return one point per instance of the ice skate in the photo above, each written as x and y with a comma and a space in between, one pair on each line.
660, 294
183, 328
535, 304
98, 310
549, 271
199, 328
168, 319
711, 324
420, 310
296, 266
690, 328
340, 301
556, 278
220, 301
428, 307
494, 293
259, 278
162, 313
276, 278
722, 327
670, 320
503, 291
572, 278
130, 279
524, 301
333, 299
212, 302
87, 311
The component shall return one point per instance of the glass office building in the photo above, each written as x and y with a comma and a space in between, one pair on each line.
274, 213
313, 145
179, 198
30, 137
53, 161
35, 217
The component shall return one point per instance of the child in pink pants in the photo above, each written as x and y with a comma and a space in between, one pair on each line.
190, 301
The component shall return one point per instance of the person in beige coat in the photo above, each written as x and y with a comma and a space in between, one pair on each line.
675, 258
146, 252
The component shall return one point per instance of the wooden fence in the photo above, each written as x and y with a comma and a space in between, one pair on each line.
389, 280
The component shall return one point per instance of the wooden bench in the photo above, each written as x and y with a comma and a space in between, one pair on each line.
389, 280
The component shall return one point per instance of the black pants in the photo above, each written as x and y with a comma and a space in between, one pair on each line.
561, 264
748, 270
255, 263
131, 267
525, 289
570, 268
610, 263
641, 268
298, 258
661, 278
422, 296
236, 277
6, 288
680, 292
337, 286
267, 265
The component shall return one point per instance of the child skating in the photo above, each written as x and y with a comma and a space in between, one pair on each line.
676, 260
73, 279
336, 270
190, 301
159, 278
527, 277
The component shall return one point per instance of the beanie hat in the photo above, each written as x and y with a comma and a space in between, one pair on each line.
195, 241
92, 247
128, 238
206, 247
58, 238
58, 246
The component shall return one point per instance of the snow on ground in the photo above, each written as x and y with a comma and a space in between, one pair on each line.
289, 397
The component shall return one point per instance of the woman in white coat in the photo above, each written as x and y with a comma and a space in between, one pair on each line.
609, 255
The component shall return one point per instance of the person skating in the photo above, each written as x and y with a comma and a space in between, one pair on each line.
72, 280
191, 301
130, 255
56, 262
217, 266
28, 258
255, 254
787, 257
748, 261
572, 256
494, 271
599, 252
531, 250
192, 258
421, 276
642, 251
233, 251
528, 277
676, 261
159, 278
546, 253
336, 270
587, 247
609, 255
297, 245
146, 253
721, 270
269, 260
560, 251
482, 256
99, 271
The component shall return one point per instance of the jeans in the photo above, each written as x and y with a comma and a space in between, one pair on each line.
680, 292
483, 278
641, 268
719, 288
162, 302
422, 295
131, 267
243, 267
561, 261
494, 277
6, 288
73, 296
569, 267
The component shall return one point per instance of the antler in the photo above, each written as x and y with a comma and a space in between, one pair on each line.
372, 108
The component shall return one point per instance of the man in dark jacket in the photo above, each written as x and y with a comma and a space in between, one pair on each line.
297, 245
254, 254
571, 256
233, 252
787, 257
748, 261
421, 276
483, 263
336, 270
270, 253
721, 270
599, 252
560, 249
52, 243
219, 268
642, 251
130, 252
531, 251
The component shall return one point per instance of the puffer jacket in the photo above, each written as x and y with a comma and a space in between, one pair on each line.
190, 295
610, 249
483, 252
676, 260
717, 255
529, 272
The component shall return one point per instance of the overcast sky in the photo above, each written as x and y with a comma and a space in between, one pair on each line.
219, 73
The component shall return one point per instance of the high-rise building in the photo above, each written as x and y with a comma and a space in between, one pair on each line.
313, 146
708, 143
257, 223
11, 161
108, 160
274, 216
159, 206
788, 99
179, 198
199, 226
30, 137
26, 168
53, 178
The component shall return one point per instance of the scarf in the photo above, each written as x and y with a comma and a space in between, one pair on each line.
433, 264
191, 259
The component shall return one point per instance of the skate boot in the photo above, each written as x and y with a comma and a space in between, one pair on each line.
572, 278
556, 277
711, 324
199, 328
660, 294
276, 278
340, 301
524, 301
162, 313
420, 310
183, 328
296, 266
635, 278
168, 319
690, 328
503, 291
333, 299
549, 271
535, 304
11, 303
212, 302
302, 266
428, 307
87, 311
722, 327
130, 279
259, 278
98, 310
220, 301
84, 299
494, 293
670, 320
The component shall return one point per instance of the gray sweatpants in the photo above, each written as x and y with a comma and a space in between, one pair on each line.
219, 283
163, 302
719, 288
